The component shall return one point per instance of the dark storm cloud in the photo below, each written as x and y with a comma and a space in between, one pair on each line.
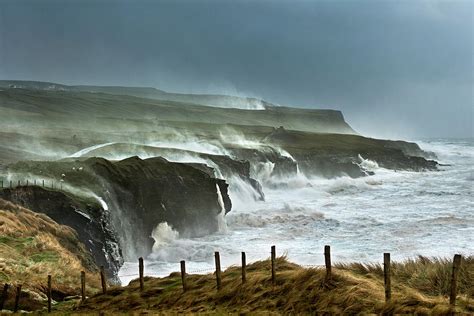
395, 68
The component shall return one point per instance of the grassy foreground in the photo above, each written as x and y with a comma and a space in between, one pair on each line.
32, 246
419, 286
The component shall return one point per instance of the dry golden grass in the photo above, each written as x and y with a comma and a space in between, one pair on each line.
353, 289
32, 246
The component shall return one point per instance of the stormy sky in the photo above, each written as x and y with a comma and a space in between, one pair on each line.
398, 69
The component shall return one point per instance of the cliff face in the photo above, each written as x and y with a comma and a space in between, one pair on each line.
332, 155
147, 192
138, 195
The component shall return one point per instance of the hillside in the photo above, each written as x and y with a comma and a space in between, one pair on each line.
213, 100
125, 102
32, 246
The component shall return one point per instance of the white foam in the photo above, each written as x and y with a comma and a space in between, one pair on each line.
87, 150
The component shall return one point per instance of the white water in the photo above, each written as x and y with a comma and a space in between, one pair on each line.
87, 150
405, 213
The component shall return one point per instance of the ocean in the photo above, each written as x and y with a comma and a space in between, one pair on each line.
404, 213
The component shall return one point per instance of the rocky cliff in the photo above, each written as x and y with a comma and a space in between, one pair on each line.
134, 195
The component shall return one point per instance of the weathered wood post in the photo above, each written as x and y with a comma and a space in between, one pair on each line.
386, 276
4, 295
140, 272
244, 268
218, 269
102, 280
49, 293
273, 252
34, 182
83, 286
183, 275
454, 279
327, 261
43, 183
17, 298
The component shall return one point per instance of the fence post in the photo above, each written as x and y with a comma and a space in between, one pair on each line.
4, 295
11, 185
327, 261
83, 286
454, 279
140, 272
183, 274
17, 298
43, 183
386, 276
273, 251
34, 181
218, 269
102, 280
49, 293
244, 268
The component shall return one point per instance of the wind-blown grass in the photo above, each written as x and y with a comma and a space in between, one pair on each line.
418, 286
32, 246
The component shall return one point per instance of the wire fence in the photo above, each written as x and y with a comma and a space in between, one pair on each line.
217, 272
44, 183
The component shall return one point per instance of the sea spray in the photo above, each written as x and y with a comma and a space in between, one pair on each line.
367, 164
241, 193
85, 151
221, 222
163, 234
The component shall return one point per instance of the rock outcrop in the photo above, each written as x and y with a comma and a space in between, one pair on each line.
138, 195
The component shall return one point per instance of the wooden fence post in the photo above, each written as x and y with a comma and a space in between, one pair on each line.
34, 182
244, 268
83, 286
43, 183
386, 276
140, 272
183, 274
17, 298
273, 252
218, 269
327, 261
454, 279
4, 296
102, 280
49, 293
